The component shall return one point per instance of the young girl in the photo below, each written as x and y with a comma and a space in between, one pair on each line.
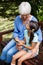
31, 47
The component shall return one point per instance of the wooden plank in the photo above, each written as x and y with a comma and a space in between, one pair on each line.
27, 63
6, 32
0, 38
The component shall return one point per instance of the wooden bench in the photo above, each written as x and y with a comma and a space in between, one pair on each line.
34, 61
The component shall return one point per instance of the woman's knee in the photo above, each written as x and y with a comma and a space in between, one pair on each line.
4, 51
9, 53
13, 42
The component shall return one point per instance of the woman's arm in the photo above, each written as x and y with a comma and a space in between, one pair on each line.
15, 33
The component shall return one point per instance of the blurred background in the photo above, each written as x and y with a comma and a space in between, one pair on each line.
9, 10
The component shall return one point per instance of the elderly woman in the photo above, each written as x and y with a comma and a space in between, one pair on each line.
18, 35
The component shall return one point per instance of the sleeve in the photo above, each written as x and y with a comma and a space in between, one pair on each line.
15, 33
39, 33
34, 19
35, 39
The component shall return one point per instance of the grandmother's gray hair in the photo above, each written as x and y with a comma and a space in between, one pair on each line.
25, 8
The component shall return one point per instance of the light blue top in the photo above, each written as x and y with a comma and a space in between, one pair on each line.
19, 29
35, 39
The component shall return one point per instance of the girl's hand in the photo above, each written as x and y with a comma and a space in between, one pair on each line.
20, 44
19, 47
21, 41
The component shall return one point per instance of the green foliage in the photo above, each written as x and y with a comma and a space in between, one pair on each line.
9, 8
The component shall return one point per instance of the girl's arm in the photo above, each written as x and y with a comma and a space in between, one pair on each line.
30, 47
36, 47
22, 42
34, 42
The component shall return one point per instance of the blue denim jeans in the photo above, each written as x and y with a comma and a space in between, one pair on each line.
8, 51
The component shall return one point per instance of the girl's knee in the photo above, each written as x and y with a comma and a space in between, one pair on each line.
20, 60
14, 57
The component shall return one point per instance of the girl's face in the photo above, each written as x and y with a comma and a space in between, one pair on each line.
27, 27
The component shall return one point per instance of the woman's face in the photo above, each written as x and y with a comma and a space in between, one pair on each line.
24, 16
